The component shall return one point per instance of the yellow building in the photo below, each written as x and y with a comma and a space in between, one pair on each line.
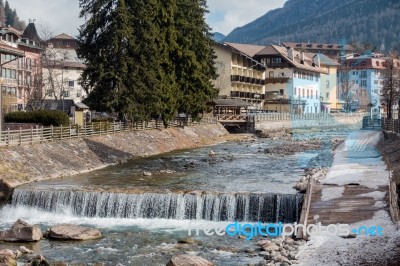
239, 75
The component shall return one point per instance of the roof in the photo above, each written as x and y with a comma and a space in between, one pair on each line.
81, 106
297, 61
49, 104
248, 49
325, 60
31, 33
230, 102
368, 63
64, 37
318, 46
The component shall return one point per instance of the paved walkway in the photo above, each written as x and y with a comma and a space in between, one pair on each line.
356, 185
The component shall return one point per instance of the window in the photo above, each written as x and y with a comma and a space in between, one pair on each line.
363, 74
280, 92
308, 93
295, 91
311, 77
304, 75
382, 82
377, 63
304, 95
28, 64
28, 80
79, 93
376, 82
327, 95
354, 73
71, 83
327, 84
363, 83
271, 74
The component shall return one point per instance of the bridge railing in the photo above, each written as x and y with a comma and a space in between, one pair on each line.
306, 116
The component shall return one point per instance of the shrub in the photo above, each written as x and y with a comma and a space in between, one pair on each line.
43, 117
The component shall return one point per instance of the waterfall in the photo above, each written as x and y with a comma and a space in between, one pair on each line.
207, 206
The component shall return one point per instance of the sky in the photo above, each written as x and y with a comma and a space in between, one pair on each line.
62, 16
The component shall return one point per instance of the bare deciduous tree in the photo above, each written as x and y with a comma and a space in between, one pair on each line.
390, 93
346, 84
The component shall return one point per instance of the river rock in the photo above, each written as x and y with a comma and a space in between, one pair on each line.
8, 253
289, 241
188, 260
25, 250
270, 247
21, 232
147, 173
7, 261
73, 232
38, 260
187, 240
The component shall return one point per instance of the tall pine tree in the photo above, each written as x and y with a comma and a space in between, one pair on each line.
147, 59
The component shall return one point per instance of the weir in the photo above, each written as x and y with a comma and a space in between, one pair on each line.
195, 206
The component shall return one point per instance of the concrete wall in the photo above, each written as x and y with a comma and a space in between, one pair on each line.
22, 164
333, 122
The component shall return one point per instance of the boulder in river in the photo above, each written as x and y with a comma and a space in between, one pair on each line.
185, 260
73, 232
21, 232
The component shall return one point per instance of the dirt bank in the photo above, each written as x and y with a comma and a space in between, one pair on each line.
22, 164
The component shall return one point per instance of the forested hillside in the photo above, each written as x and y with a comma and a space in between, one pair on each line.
8, 16
326, 21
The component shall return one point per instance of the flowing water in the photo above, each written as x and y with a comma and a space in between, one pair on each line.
143, 217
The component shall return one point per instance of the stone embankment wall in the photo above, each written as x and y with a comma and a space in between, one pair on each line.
334, 122
22, 164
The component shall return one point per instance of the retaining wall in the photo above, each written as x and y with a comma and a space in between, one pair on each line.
22, 164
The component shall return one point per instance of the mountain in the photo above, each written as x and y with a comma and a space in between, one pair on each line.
326, 21
218, 37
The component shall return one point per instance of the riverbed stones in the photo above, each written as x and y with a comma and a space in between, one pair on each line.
188, 260
21, 232
7, 261
25, 250
73, 232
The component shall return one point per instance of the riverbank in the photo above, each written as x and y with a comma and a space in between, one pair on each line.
24, 164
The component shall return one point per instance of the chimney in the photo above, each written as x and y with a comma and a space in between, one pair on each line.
291, 53
302, 58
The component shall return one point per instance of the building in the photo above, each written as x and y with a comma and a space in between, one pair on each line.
240, 76
62, 69
331, 50
329, 88
292, 80
366, 79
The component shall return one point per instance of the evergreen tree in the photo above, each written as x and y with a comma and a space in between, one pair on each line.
2, 14
146, 59
9, 14
194, 60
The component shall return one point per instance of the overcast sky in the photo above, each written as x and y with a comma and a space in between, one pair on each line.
62, 16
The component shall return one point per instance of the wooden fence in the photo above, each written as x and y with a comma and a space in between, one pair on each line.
43, 134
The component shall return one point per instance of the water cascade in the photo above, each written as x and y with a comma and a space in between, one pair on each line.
195, 206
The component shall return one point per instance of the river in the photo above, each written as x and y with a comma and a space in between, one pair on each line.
142, 216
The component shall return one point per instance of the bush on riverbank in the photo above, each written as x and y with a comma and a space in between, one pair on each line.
43, 117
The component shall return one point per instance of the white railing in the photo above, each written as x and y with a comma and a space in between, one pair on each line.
306, 116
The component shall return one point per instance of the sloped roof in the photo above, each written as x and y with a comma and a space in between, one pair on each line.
7, 49
297, 61
318, 46
64, 37
31, 33
325, 60
230, 102
248, 49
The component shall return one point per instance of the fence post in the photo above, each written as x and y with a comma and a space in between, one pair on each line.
77, 130
61, 132
31, 135
41, 135
70, 135
113, 127
100, 128
20, 135
52, 132
8, 136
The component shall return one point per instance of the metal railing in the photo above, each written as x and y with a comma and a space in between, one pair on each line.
45, 134
306, 116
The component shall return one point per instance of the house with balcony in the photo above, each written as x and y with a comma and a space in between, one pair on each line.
292, 83
240, 76
366, 74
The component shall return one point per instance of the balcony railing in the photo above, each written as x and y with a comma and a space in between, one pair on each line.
247, 95
249, 80
277, 80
